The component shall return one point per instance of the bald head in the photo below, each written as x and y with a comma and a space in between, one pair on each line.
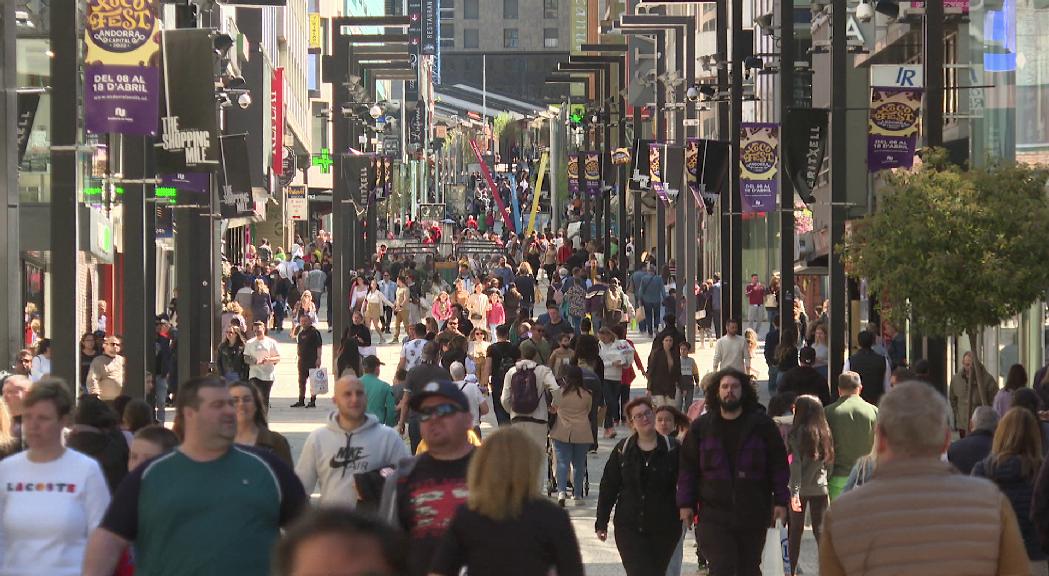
350, 400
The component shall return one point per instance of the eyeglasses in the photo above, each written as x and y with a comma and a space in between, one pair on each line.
438, 411
646, 415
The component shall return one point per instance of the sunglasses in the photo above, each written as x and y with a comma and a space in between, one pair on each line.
438, 411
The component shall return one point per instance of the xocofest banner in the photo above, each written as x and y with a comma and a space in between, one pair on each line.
759, 166
573, 175
893, 127
592, 168
121, 75
806, 148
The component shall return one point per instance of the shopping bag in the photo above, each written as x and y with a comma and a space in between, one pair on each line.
318, 381
772, 554
639, 313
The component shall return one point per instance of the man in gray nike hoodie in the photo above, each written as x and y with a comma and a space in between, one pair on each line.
351, 443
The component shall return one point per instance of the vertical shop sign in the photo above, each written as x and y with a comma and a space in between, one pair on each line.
806, 148
893, 127
121, 75
189, 136
277, 120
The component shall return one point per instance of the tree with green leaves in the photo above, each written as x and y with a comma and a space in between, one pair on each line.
953, 251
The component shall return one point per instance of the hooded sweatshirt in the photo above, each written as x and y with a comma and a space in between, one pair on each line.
331, 457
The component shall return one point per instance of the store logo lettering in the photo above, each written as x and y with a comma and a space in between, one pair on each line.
41, 487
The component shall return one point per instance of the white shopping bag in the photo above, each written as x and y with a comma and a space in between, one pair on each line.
318, 381
772, 554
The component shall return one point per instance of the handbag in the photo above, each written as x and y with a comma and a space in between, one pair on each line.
318, 381
771, 301
772, 553
639, 313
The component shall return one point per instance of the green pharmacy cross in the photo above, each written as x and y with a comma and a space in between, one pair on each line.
323, 160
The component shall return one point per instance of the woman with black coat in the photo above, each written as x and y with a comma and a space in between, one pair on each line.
639, 481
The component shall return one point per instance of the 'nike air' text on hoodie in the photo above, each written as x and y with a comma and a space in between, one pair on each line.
331, 456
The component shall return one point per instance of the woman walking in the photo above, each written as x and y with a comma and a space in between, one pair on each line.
664, 369
496, 314
811, 450
506, 526
639, 482
688, 378
374, 302
252, 426
261, 303
232, 365
1014, 462
615, 355
571, 434
1015, 380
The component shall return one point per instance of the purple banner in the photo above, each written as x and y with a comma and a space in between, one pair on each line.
121, 77
893, 127
573, 175
193, 187
592, 169
759, 166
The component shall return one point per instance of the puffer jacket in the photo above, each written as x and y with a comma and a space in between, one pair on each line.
1007, 474
647, 507
741, 497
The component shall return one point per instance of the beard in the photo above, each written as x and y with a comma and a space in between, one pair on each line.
731, 404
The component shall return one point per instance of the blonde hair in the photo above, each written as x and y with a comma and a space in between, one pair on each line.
1018, 435
751, 337
235, 307
503, 474
261, 287
6, 436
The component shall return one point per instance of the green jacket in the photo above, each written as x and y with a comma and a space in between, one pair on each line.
380, 400
852, 421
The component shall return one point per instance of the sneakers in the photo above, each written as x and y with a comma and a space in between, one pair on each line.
561, 499
299, 404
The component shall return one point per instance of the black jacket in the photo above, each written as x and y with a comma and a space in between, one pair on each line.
806, 380
965, 453
648, 507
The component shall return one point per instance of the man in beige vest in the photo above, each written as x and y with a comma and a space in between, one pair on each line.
918, 515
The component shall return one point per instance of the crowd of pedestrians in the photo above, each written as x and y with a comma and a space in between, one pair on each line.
406, 480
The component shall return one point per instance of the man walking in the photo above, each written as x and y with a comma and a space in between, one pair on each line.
262, 357
380, 394
919, 515
730, 349
164, 367
501, 357
734, 473
715, 305
309, 344
976, 445
873, 368
106, 376
208, 508
525, 391
652, 291
423, 495
389, 289
804, 379
755, 303
352, 442
852, 421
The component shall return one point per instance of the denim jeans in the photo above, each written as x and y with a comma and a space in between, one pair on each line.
652, 317
611, 395
574, 455
160, 396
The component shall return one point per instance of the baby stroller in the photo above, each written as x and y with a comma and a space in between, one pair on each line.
551, 476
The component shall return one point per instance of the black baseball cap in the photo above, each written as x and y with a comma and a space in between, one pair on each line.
443, 388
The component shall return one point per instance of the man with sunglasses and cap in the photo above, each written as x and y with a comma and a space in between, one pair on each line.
423, 494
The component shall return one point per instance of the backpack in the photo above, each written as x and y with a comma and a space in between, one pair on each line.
576, 298
524, 395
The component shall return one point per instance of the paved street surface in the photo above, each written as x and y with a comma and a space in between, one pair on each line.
601, 558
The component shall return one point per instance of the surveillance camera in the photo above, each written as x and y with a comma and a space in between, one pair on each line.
864, 11
244, 101
692, 93
375, 111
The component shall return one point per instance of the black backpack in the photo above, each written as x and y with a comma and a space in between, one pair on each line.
524, 396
